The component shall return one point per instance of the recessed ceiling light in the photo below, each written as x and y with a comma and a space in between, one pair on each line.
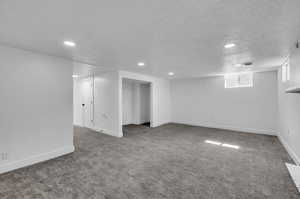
238, 65
75, 76
69, 43
171, 73
141, 64
229, 45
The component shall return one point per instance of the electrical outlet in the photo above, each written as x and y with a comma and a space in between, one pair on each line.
3, 156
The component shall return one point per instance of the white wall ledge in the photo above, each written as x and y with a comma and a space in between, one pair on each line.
295, 89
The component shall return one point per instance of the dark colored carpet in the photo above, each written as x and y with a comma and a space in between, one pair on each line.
172, 161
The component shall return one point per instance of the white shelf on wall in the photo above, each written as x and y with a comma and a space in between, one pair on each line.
295, 89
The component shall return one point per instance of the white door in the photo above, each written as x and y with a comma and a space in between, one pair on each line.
87, 103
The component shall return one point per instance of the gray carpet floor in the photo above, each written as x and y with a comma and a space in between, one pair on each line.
172, 161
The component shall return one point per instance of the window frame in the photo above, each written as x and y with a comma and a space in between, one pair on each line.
237, 76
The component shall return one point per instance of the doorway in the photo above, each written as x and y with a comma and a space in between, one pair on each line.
136, 103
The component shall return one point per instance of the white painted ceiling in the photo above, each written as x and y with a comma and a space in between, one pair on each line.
182, 36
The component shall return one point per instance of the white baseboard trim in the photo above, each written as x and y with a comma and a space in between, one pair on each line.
231, 128
10, 166
160, 124
290, 151
294, 173
109, 133
99, 130
76, 125
106, 132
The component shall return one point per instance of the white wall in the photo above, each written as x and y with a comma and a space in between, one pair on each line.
77, 116
128, 104
36, 107
289, 110
136, 104
105, 103
145, 112
205, 102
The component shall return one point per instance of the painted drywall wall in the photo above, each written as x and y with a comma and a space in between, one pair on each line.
289, 109
159, 96
128, 104
136, 102
205, 102
77, 106
101, 106
36, 107
145, 112
106, 103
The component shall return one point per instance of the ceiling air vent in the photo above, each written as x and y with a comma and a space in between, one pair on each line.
248, 63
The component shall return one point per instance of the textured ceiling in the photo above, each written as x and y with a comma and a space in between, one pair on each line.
183, 36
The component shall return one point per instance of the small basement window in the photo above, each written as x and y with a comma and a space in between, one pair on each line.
238, 80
